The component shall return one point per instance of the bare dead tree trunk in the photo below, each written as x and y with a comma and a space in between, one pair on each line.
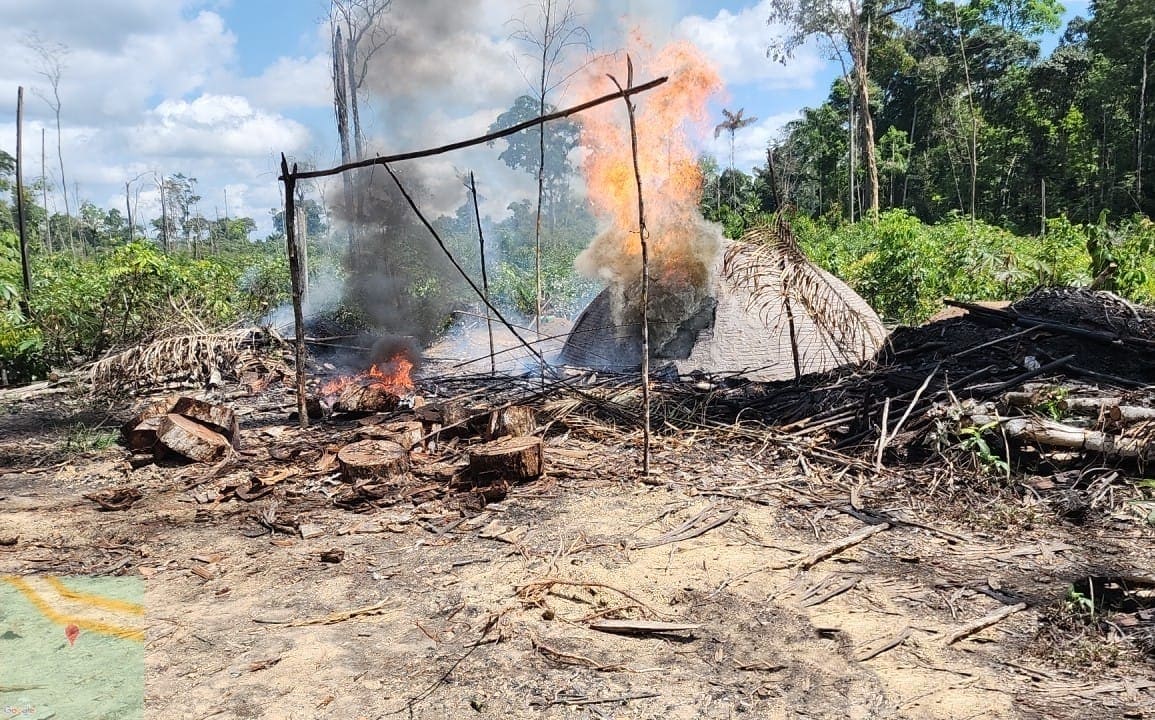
644, 239
44, 191
51, 71
1140, 135
163, 218
26, 273
290, 180
128, 210
340, 107
484, 274
974, 139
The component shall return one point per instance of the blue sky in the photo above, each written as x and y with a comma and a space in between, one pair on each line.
216, 89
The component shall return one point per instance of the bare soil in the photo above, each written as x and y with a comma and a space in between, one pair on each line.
440, 611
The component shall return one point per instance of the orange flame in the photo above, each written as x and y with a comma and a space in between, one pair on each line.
666, 118
683, 247
394, 375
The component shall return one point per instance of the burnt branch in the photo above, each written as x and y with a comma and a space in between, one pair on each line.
512, 130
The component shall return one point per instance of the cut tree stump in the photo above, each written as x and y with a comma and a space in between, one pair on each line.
220, 418
189, 439
511, 459
142, 437
370, 460
406, 433
155, 409
516, 420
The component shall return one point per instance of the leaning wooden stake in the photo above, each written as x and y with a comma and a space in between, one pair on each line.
290, 179
26, 298
484, 276
642, 235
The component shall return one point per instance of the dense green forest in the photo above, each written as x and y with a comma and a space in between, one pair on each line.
953, 158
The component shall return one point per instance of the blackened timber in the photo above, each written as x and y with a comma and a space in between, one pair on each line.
290, 179
512, 130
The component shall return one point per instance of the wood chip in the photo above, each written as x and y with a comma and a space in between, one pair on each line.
310, 530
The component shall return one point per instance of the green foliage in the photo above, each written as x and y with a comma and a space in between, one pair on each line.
972, 440
82, 307
904, 267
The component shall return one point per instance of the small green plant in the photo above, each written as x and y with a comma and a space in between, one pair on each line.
1052, 402
84, 438
974, 442
1079, 604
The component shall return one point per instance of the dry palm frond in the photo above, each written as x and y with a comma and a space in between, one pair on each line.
785, 286
197, 358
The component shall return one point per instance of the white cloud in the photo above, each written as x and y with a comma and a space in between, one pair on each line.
291, 82
215, 125
737, 44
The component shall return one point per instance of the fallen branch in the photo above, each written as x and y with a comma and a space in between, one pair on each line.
895, 640
641, 627
838, 546
709, 519
535, 591
982, 623
1057, 435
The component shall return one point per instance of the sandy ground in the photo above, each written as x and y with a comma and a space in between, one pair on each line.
429, 615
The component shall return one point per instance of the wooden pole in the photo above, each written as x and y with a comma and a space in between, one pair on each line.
290, 180
497, 135
457, 266
484, 275
643, 236
25, 302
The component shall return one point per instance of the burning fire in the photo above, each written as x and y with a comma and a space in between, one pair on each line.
666, 116
394, 375
682, 245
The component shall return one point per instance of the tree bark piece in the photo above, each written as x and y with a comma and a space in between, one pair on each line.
516, 420
143, 437
511, 459
370, 460
189, 439
219, 418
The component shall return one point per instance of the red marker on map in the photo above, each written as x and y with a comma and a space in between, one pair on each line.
71, 632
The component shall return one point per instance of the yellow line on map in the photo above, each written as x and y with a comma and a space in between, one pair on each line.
94, 600
90, 625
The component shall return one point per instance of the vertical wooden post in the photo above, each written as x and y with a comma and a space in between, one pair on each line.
484, 275
643, 236
290, 180
25, 302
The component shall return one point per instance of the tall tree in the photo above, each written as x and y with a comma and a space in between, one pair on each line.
554, 30
51, 67
365, 32
732, 124
847, 26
